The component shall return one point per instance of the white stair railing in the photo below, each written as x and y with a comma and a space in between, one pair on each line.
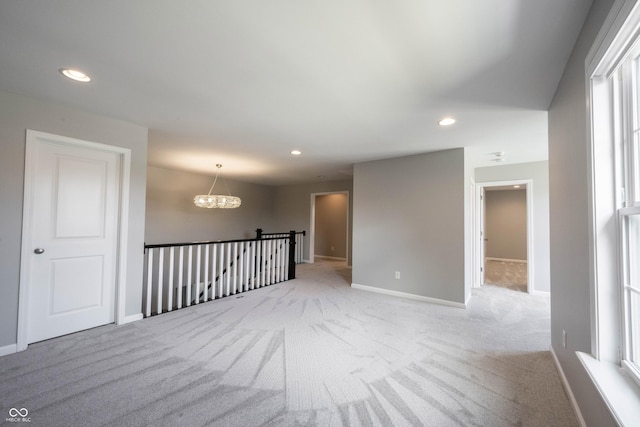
211, 270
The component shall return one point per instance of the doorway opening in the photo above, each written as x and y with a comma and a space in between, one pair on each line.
329, 226
504, 255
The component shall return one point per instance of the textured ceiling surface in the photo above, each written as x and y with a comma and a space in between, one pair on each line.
243, 83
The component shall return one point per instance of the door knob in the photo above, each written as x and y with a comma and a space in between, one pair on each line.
38, 251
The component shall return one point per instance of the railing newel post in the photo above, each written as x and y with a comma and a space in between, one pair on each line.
292, 254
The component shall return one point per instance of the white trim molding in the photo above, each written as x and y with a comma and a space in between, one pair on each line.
619, 392
334, 258
131, 318
530, 224
8, 349
567, 389
408, 296
522, 261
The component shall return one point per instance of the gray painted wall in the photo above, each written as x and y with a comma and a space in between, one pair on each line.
172, 216
17, 114
538, 172
409, 216
331, 225
569, 212
292, 208
506, 224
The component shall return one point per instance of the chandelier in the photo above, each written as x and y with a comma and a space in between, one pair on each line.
216, 200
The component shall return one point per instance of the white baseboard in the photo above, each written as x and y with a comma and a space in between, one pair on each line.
523, 261
567, 389
8, 349
337, 258
408, 296
131, 318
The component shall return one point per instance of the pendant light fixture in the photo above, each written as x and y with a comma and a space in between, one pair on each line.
216, 200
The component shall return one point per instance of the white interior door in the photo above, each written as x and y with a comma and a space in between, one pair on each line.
74, 198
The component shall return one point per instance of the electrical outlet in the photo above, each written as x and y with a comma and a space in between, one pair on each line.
564, 338
398, 275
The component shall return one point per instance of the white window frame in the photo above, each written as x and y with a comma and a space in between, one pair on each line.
613, 45
624, 91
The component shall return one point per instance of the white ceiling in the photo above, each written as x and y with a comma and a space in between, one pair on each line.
243, 82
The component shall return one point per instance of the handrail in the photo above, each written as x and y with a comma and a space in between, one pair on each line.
206, 242
260, 233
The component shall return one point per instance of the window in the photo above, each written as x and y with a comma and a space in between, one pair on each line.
613, 74
625, 88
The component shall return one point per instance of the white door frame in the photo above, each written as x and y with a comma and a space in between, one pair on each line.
312, 225
32, 139
479, 239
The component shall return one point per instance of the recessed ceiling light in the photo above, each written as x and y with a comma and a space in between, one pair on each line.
499, 153
76, 75
296, 152
516, 186
447, 121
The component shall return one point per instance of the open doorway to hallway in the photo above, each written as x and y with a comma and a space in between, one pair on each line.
329, 230
505, 234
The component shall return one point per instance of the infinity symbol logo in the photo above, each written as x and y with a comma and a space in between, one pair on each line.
13, 412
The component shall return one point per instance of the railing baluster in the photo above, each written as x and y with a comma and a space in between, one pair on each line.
283, 263
276, 272
241, 267
149, 282
276, 257
234, 261
228, 268
269, 262
189, 271
180, 275
283, 259
160, 280
213, 271
254, 259
206, 273
170, 287
221, 274
263, 263
198, 256
247, 260
285, 267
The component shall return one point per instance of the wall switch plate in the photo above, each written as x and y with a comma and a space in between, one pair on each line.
397, 275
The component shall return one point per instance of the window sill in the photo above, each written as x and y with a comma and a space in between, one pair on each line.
619, 391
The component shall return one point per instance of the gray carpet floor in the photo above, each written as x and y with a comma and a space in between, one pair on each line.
512, 275
307, 352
